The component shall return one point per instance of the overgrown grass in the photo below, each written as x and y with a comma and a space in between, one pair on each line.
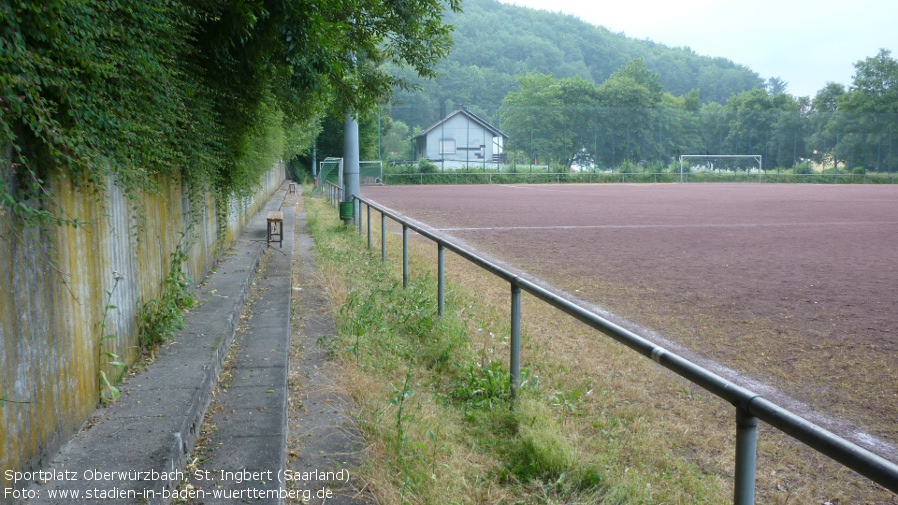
433, 394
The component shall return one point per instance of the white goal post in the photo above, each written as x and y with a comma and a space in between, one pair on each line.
757, 157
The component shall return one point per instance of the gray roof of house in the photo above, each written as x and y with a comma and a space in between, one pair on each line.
472, 116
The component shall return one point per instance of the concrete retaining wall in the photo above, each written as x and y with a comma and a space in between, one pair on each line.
54, 290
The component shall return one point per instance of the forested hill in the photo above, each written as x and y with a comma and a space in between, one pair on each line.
494, 42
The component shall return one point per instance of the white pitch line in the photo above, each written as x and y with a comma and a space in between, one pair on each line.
643, 226
532, 188
572, 188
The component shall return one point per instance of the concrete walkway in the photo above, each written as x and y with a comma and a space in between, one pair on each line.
136, 450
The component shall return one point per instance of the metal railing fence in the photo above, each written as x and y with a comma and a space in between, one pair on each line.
750, 406
333, 192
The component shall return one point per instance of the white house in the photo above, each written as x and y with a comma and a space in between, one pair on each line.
461, 139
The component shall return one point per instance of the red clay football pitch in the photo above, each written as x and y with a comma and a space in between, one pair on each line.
795, 286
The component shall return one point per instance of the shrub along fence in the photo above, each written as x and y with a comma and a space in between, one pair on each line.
750, 407
543, 177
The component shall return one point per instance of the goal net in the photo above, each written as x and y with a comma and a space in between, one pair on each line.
330, 170
371, 173
721, 163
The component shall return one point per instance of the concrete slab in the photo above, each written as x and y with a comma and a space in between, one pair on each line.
328, 440
250, 410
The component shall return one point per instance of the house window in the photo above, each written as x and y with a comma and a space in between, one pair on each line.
447, 146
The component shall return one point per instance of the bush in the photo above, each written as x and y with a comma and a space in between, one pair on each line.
803, 168
426, 167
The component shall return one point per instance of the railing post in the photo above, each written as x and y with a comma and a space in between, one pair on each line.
383, 237
404, 255
369, 227
746, 457
441, 284
359, 214
515, 362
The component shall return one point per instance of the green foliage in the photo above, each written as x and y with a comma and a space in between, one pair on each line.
395, 334
875, 85
209, 91
76, 98
403, 421
497, 42
803, 168
160, 318
481, 386
108, 391
426, 167
548, 116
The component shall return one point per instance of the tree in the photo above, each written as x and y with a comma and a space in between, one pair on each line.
870, 125
715, 128
775, 86
397, 144
857, 127
751, 122
678, 130
533, 117
875, 85
786, 145
579, 98
552, 119
628, 99
309, 54
636, 70
827, 99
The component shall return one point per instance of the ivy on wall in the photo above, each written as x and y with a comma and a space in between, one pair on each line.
211, 91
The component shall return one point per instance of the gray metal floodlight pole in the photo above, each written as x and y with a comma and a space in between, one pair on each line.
351, 180
351, 159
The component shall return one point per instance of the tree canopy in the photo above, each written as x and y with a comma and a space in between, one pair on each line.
209, 90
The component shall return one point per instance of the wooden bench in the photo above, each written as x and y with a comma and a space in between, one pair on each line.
276, 227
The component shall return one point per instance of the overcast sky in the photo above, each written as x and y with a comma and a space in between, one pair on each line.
806, 43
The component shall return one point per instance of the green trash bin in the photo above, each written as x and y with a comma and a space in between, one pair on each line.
347, 210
